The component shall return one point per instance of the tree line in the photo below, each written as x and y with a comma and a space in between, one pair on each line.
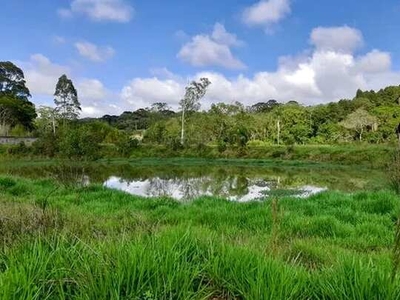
370, 117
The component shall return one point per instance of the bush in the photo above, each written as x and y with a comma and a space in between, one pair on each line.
46, 145
176, 145
18, 130
19, 149
81, 142
126, 144
222, 147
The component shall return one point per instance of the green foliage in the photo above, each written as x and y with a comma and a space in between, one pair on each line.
191, 101
66, 99
358, 121
94, 243
18, 131
222, 147
15, 108
20, 149
81, 142
126, 144
47, 145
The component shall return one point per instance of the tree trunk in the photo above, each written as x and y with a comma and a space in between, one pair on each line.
183, 126
278, 125
53, 123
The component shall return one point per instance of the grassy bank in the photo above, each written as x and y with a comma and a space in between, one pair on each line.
367, 155
362, 154
93, 243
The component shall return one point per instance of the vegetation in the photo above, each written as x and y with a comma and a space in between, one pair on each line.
66, 99
190, 103
224, 131
15, 108
65, 242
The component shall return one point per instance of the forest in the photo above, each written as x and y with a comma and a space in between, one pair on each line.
370, 117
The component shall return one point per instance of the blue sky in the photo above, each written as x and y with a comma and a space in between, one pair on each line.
127, 54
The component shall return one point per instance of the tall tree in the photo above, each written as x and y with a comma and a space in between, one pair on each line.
191, 102
66, 99
359, 121
15, 108
12, 81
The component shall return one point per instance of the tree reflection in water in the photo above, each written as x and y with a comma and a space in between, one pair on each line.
235, 188
186, 182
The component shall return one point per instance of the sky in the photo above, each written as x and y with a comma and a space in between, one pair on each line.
123, 55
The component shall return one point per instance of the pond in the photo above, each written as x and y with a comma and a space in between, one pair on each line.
185, 181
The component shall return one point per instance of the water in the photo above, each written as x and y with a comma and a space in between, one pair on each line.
235, 188
185, 182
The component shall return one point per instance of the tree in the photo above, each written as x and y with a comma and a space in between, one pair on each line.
159, 107
15, 108
194, 92
12, 81
359, 121
47, 119
66, 99
264, 107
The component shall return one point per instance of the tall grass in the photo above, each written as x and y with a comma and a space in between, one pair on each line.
94, 243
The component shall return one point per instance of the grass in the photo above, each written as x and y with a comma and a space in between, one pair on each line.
376, 156
367, 155
95, 243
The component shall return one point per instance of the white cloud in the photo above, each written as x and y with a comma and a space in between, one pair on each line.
375, 62
266, 13
94, 52
41, 78
212, 50
142, 92
95, 98
91, 89
42, 74
221, 36
343, 39
321, 75
100, 10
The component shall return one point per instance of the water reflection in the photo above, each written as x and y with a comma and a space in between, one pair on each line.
185, 181
234, 188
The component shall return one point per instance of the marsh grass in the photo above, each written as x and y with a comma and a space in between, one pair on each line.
93, 243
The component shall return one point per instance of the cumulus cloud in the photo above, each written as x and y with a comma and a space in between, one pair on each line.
92, 89
266, 13
142, 92
42, 74
95, 97
329, 72
100, 10
343, 39
212, 49
41, 78
93, 52
375, 62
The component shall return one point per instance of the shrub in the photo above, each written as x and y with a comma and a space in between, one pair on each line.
81, 142
19, 149
222, 147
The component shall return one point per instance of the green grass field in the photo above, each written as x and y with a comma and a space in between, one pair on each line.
62, 242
